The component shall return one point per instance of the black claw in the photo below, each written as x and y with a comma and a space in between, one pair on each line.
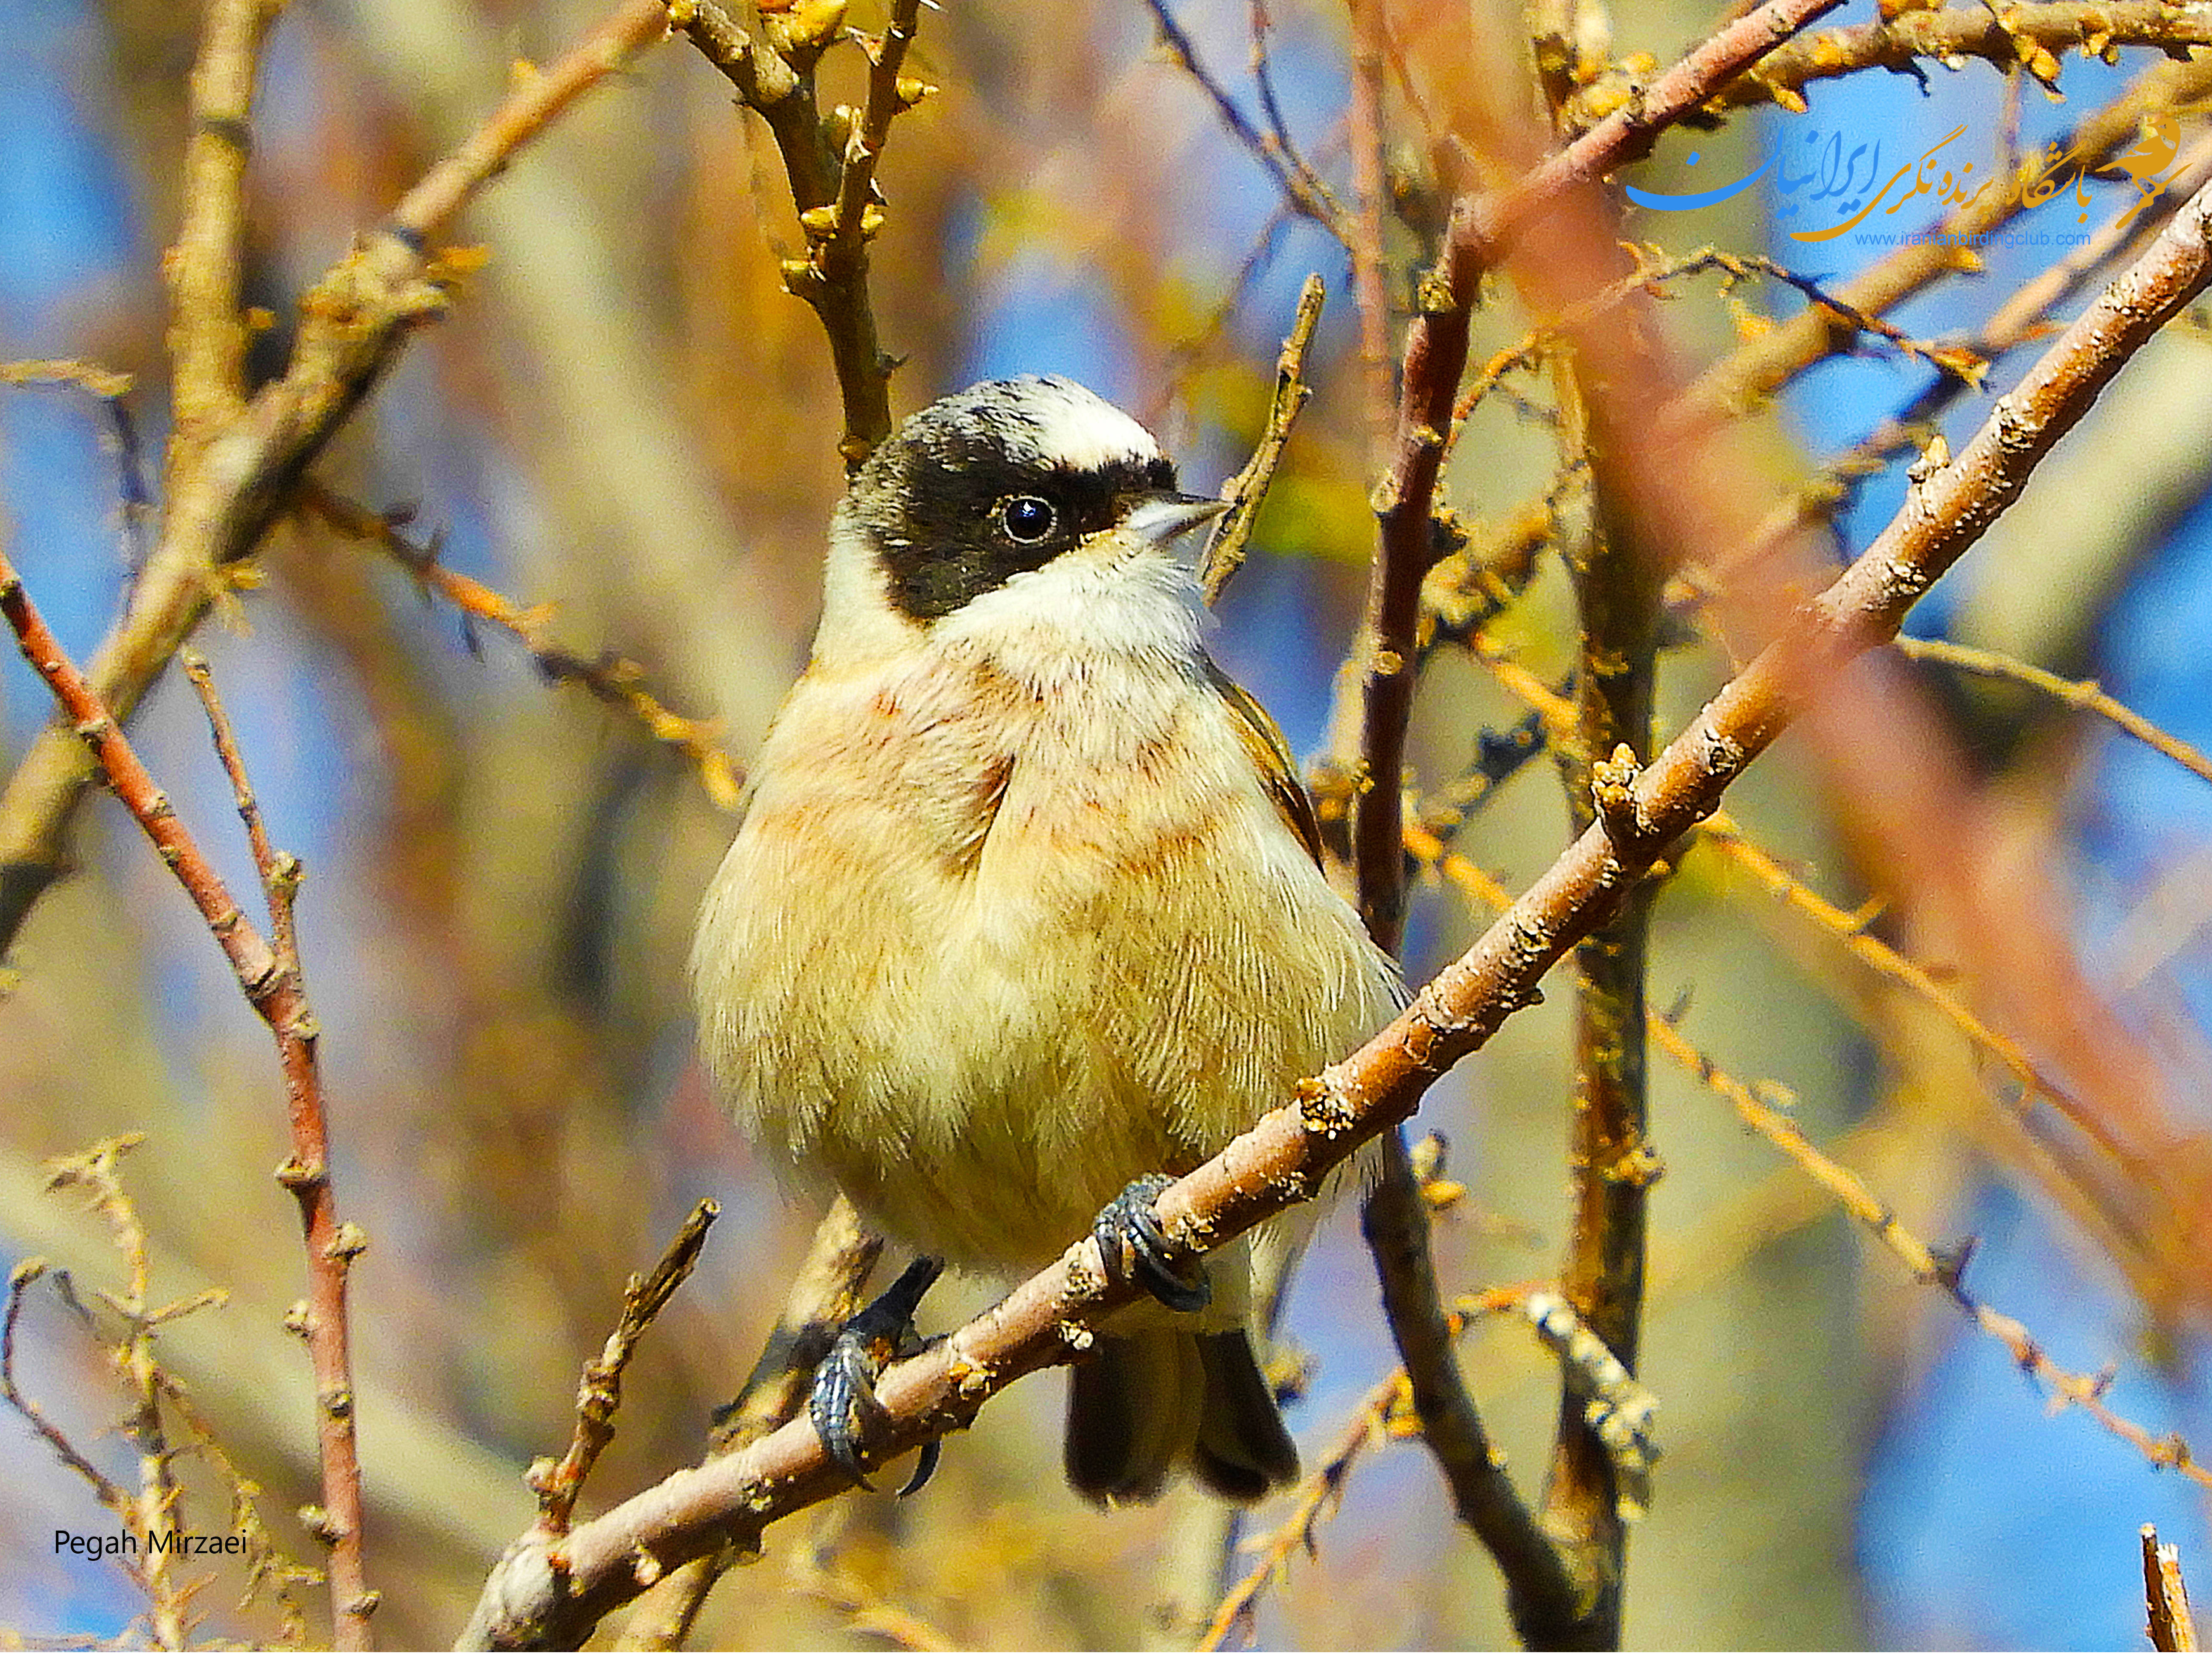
842, 1405
924, 1467
1128, 1230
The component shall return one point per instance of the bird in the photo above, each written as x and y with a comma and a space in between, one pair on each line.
1025, 913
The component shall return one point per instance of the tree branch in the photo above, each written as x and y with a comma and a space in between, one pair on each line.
1407, 545
223, 497
830, 163
272, 981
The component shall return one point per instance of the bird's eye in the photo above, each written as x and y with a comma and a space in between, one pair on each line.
1026, 519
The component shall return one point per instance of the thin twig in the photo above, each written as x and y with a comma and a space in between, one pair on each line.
2173, 1629
1278, 137
101, 382
1486, 570
615, 681
2085, 695
1550, 1599
2030, 36
1616, 1408
1248, 491
152, 1512
112, 388
1395, 1220
830, 163
1203, 343
1498, 758
1435, 357
272, 984
331, 1244
1942, 1268
2022, 316
1761, 367
1370, 193
1297, 183
156, 1510
1323, 1492
1849, 929
598, 1392
825, 1293
111, 1497
266, 1566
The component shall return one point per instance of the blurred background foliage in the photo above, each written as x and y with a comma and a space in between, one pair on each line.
626, 418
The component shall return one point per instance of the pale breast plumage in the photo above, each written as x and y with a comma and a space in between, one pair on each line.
986, 954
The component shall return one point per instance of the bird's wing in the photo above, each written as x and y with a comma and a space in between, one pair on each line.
1263, 741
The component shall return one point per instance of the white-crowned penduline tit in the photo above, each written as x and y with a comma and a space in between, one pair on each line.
1027, 907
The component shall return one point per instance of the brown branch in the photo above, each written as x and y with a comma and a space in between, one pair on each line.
598, 1393
1395, 1220
1550, 1598
543, 1594
206, 268
773, 88
272, 980
2023, 311
2027, 37
2023, 316
840, 261
1617, 582
223, 497
1370, 193
1483, 226
1960, 365
830, 163
823, 1295
2173, 1629
331, 1244
1435, 357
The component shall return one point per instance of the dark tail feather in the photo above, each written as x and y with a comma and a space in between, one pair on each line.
1243, 1451
1146, 1401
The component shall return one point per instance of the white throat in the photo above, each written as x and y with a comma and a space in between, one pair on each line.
1062, 622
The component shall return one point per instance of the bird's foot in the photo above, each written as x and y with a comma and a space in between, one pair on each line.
842, 1404
1132, 1244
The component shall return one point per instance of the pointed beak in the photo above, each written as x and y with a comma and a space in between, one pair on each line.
1160, 519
